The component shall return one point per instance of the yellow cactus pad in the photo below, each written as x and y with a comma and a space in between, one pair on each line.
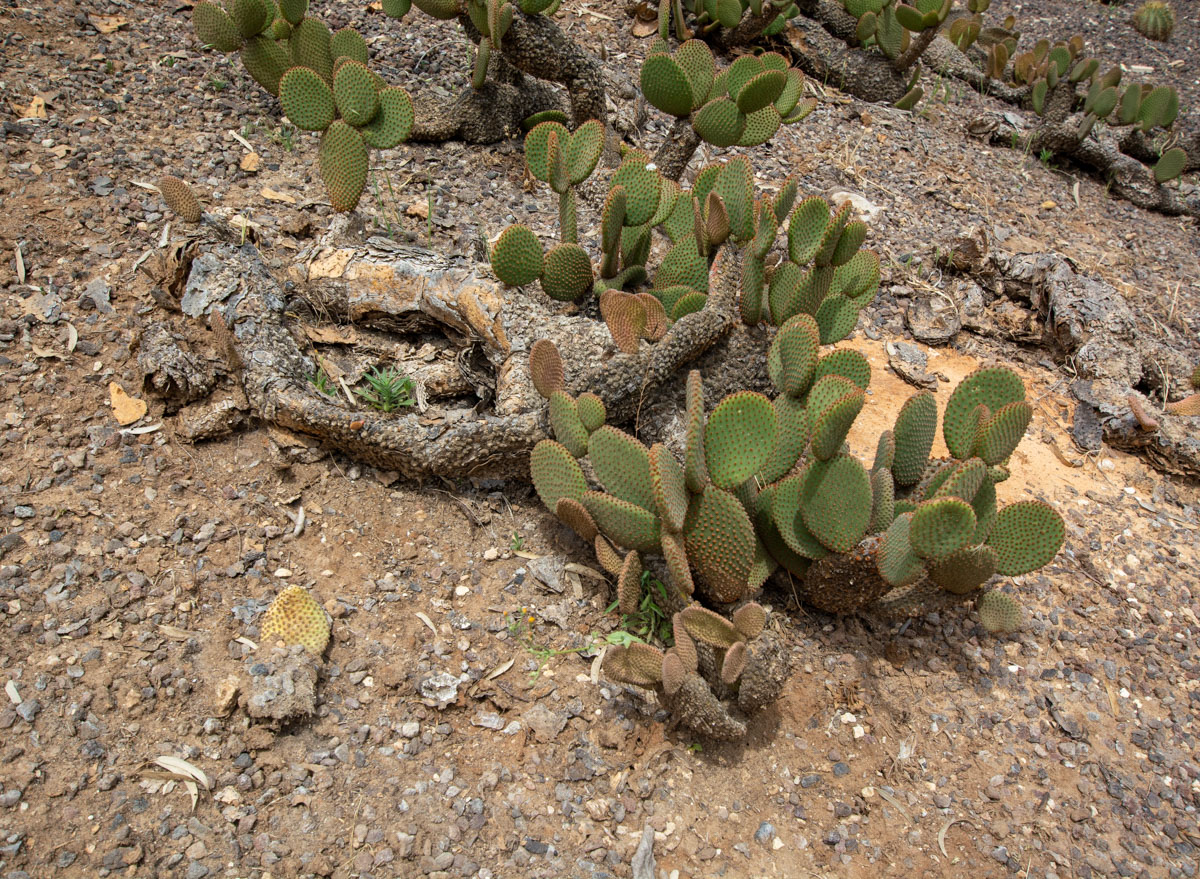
294, 617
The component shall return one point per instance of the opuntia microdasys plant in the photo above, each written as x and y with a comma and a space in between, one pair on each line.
768, 485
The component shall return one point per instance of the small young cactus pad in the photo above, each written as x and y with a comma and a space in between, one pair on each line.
294, 617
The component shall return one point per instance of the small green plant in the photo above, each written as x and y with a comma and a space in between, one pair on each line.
387, 390
322, 382
1045, 157
168, 60
652, 622
520, 629
215, 83
516, 542
285, 136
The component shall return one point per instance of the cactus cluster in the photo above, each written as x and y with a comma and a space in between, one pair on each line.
1046, 68
824, 273
706, 17
768, 484
743, 105
321, 79
1154, 20
902, 31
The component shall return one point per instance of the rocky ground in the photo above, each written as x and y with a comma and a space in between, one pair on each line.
463, 728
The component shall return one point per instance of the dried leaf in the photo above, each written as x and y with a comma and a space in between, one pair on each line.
250, 162
423, 617
46, 352
126, 409
36, 109
499, 670
895, 802
72, 338
418, 209
20, 265
13, 694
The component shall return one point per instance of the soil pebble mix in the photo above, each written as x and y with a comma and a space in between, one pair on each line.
460, 727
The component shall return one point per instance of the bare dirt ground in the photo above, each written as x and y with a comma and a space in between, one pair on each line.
132, 563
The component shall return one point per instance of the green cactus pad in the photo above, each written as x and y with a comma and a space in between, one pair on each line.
895, 559
641, 185
788, 98
749, 620
720, 122
847, 363
964, 480
814, 287
935, 475
773, 541
695, 468
517, 257
760, 127
991, 386
266, 60
1158, 108
735, 186
835, 501
393, 122
964, 571
885, 451
612, 219
751, 286
683, 266
883, 500
782, 203
250, 16
720, 543
666, 86
439, 9
710, 627
622, 466
629, 584
833, 234
688, 304
739, 438
565, 423
1170, 165
669, 487
998, 437
293, 10
986, 510
761, 90
306, 99
858, 279
916, 426
354, 93
806, 229
696, 60
584, 147
1026, 536
626, 524
348, 43
941, 526
999, 612
851, 239
668, 296
567, 272
343, 163
668, 196
555, 473
545, 367
793, 355
827, 391
312, 47
837, 317
831, 426
591, 411
791, 436
575, 516
783, 294
537, 147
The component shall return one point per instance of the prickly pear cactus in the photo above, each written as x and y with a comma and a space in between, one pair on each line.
322, 80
